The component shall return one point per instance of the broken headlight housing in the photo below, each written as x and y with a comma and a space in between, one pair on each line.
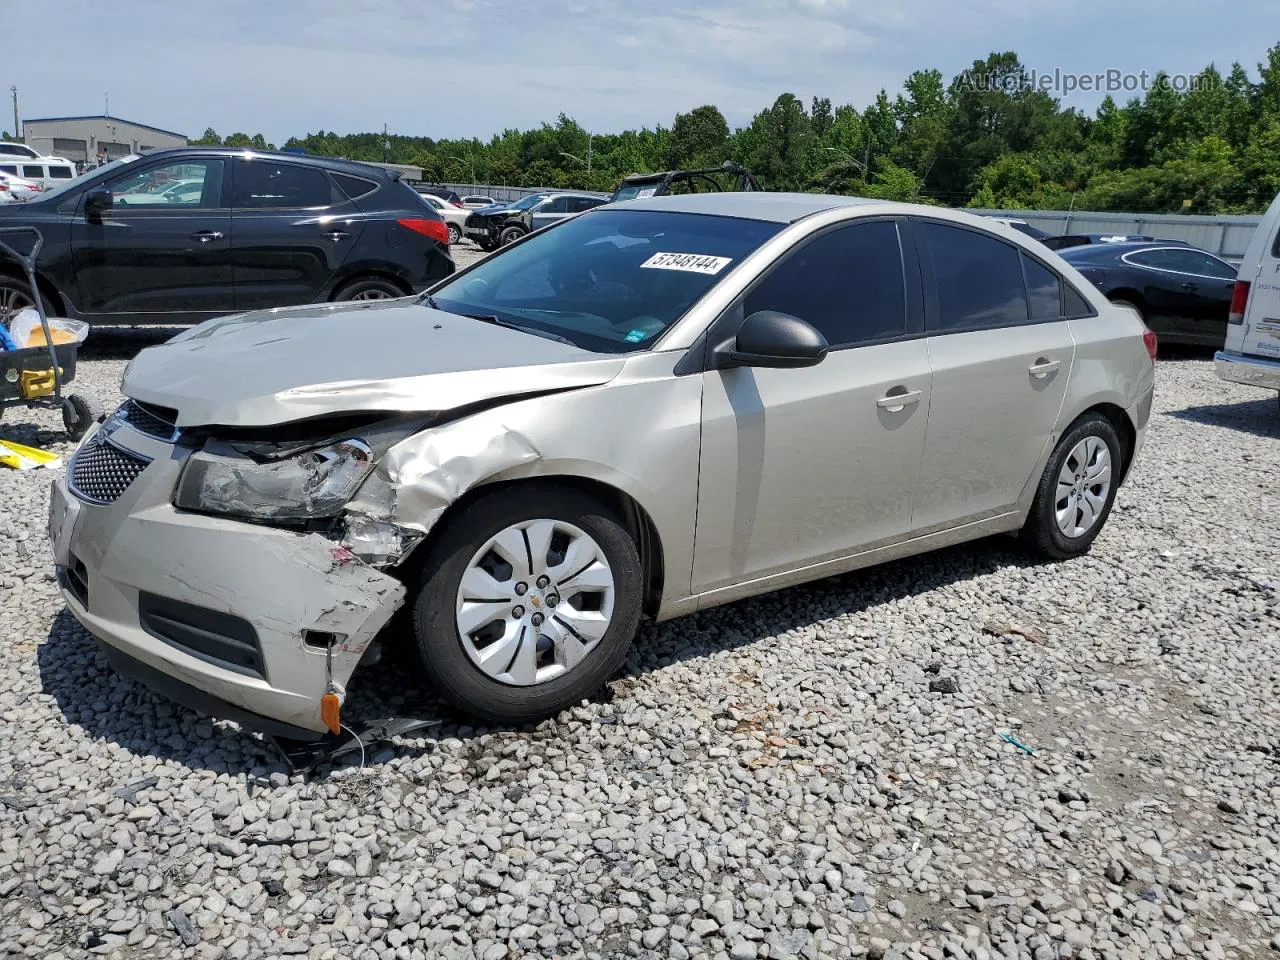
302, 485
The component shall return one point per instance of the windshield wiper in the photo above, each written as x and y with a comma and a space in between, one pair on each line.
499, 322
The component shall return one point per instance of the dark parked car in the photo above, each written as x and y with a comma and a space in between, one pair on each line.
1035, 233
1068, 240
1183, 294
444, 193
180, 236
493, 227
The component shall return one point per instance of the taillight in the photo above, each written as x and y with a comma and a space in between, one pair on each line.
1239, 300
1150, 342
435, 229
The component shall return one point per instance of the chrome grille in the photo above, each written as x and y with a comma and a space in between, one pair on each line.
101, 472
153, 421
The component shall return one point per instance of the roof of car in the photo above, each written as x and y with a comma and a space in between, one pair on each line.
1115, 248
331, 163
750, 204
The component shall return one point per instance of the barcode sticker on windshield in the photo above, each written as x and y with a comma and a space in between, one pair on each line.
692, 262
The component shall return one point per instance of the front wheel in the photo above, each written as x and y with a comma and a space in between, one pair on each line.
80, 411
530, 601
1077, 490
511, 235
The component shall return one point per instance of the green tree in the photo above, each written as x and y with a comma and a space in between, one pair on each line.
777, 147
209, 138
699, 138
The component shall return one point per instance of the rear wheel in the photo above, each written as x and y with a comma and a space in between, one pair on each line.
530, 600
1077, 490
511, 235
369, 288
455, 234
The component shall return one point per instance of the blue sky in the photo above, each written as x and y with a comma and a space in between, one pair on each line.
448, 68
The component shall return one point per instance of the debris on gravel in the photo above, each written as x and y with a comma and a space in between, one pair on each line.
768, 779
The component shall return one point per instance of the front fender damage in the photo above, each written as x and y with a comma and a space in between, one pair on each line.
421, 477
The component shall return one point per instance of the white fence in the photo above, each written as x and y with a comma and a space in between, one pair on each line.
1227, 236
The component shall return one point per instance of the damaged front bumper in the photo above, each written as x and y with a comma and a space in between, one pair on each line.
237, 620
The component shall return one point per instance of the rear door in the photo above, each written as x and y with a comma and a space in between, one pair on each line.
292, 229
152, 255
1257, 332
1001, 352
1208, 283
808, 465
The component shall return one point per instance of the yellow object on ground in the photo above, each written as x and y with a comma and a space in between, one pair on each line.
36, 383
21, 457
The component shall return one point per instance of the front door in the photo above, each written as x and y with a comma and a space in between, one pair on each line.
293, 229
549, 211
1001, 352
807, 465
162, 252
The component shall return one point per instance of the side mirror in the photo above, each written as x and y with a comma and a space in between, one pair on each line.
771, 339
98, 201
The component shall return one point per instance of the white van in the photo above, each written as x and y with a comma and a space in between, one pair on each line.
1252, 352
46, 171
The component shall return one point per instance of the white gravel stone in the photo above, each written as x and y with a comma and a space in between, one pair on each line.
781, 759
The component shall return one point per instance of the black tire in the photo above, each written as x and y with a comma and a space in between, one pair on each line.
15, 294
488, 246
439, 644
510, 235
1041, 532
368, 288
455, 233
80, 411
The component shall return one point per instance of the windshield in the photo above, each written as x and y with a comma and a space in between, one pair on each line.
524, 203
68, 184
609, 281
632, 191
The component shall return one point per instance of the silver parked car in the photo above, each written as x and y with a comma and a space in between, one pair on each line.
646, 410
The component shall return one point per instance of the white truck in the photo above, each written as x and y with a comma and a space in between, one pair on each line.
1251, 354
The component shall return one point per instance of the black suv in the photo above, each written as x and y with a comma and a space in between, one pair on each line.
180, 236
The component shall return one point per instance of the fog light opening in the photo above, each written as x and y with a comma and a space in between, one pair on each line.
377, 542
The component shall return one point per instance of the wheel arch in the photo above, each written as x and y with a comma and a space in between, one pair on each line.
1131, 295
51, 293
359, 272
637, 521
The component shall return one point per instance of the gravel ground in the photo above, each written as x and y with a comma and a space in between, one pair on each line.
782, 777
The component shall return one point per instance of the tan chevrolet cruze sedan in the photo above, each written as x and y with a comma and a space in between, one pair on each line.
649, 409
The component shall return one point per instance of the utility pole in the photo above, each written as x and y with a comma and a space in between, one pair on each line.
386, 145
17, 134
588, 152
106, 104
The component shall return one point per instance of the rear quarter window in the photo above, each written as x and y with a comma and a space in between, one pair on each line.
354, 187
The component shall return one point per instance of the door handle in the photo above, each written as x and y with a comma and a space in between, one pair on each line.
336, 235
893, 402
1188, 286
1043, 367
206, 236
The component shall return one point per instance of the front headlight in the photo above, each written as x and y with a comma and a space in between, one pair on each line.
304, 486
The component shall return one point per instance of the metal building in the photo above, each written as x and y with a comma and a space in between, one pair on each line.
82, 138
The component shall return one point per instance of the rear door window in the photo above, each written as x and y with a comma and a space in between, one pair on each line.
267, 184
978, 278
33, 171
1044, 290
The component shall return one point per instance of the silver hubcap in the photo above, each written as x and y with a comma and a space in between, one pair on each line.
1083, 485
374, 294
12, 300
534, 602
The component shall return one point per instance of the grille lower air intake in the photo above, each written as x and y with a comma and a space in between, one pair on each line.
101, 472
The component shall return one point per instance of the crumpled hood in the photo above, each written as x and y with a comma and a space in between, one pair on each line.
291, 363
